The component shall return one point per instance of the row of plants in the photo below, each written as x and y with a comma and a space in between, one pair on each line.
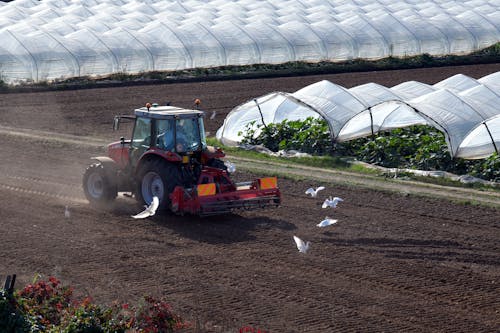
415, 147
50, 307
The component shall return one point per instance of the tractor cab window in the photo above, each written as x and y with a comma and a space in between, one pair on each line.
202, 133
142, 133
187, 135
141, 139
165, 134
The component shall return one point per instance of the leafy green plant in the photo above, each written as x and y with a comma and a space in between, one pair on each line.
414, 147
311, 135
488, 168
11, 319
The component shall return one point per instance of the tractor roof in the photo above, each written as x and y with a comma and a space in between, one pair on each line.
164, 112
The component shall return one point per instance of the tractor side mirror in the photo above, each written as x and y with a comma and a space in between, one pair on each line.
116, 123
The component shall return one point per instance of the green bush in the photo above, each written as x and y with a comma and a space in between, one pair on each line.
311, 136
488, 168
11, 320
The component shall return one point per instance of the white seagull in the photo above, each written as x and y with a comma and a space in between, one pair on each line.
67, 213
212, 116
331, 202
326, 222
301, 245
314, 192
150, 210
231, 168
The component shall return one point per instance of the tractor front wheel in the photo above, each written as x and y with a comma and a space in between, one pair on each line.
99, 189
157, 178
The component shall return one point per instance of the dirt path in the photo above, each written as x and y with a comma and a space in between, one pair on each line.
393, 263
405, 187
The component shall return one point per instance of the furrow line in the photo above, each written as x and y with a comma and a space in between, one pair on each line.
42, 193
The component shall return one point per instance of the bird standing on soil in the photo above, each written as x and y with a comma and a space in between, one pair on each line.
301, 245
67, 213
314, 192
149, 211
326, 222
331, 202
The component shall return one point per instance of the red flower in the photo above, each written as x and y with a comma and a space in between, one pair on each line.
59, 306
55, 282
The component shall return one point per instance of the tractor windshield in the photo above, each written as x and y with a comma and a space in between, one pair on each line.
188, 136
165, 134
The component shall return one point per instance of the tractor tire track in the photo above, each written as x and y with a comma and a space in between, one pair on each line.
42, 187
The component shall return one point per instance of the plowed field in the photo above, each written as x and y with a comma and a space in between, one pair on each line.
393, 263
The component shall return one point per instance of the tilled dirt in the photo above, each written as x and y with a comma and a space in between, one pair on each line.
394, 262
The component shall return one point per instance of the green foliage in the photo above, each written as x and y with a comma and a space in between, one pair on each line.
309, 136
49, 307
11, 320
488, 168
419, 147
415, 147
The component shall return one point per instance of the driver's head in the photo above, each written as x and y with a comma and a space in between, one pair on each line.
180, 147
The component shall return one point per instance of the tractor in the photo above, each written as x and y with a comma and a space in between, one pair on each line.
168, 157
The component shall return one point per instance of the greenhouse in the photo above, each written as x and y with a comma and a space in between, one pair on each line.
51, 40
464, 109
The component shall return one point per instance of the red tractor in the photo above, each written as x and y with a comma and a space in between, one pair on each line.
168, 157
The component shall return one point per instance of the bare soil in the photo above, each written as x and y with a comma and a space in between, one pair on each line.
393, 263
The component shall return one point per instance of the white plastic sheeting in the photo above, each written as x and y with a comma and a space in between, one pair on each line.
56, 39
482, 141
464, 109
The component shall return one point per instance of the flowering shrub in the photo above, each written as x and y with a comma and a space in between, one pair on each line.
156, 316
49, 307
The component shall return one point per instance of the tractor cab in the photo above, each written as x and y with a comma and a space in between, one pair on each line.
165, 130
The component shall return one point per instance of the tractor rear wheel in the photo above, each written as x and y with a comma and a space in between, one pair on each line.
157, 178
99, 189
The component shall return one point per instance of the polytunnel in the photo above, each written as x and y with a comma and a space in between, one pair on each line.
481, 141
44, 40
455, 106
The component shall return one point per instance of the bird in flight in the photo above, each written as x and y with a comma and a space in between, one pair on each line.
231, 168
331, 202
212, 116
301, 245
314, 192
150, 210
326, 222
